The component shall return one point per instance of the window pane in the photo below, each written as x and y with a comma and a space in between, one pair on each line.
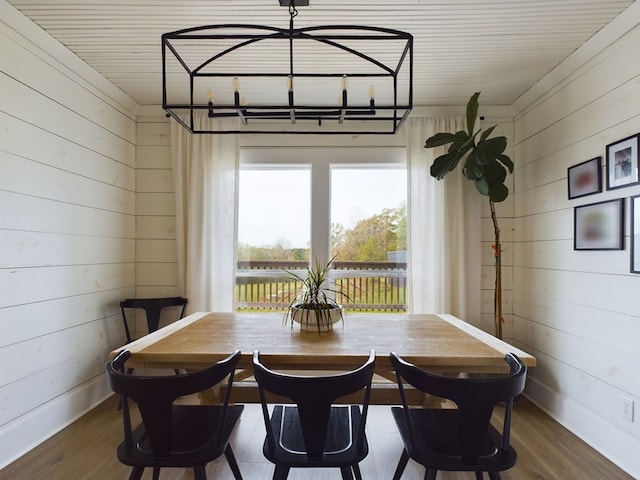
368, 237
274, 220
368, 213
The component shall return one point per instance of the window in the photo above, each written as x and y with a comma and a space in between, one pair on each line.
368, 212
274, 216
297, 205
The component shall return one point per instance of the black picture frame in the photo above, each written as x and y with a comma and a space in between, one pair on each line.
635, 234
585, 178
622, 163
599, 226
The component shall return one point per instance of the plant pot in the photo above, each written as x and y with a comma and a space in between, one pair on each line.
309, 321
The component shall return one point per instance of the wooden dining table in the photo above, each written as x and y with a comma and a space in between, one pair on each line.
441, 342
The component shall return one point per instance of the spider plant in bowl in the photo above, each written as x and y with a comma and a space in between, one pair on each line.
315, 307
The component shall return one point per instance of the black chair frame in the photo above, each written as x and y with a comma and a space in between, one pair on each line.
153, 309
313, 423
175, 435
460, 438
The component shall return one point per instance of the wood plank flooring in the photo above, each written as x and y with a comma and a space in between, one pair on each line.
86, 450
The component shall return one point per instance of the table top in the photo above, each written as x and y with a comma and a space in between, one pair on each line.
441, 342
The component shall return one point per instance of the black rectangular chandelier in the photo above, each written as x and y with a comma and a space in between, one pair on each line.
336, 79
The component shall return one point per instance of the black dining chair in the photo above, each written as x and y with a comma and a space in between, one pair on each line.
175, 435
153, 308
313, 431
458, 436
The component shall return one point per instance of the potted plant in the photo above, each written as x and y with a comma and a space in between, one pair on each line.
315, 306
486, 165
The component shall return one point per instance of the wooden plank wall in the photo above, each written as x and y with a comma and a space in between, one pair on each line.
67, 212
156, 268
579, 311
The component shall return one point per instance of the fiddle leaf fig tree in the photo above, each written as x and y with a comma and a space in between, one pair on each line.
484, 163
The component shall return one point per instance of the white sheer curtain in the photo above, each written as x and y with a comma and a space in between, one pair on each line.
443, 228
205, 175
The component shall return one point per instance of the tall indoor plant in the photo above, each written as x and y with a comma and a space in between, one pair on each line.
486, 165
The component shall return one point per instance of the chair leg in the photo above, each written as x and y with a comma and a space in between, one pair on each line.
356, 471
404, 459
346, 473
280, 473
430, 474
231, 460
136, 473
156, 473
480, 475
199, 472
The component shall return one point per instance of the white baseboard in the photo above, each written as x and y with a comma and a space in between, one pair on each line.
612, 442
25, 433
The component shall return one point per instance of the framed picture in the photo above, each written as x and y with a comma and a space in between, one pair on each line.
635, 234
585, 178
622, 163
599, 226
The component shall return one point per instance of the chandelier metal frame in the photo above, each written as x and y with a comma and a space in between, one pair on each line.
288, 117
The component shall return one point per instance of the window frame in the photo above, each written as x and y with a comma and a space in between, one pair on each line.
321, 160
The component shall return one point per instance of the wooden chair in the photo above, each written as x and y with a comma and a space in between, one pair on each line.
459, 438
175, 435
153, 308
313, 432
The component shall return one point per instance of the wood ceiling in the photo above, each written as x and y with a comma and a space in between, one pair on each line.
499, 47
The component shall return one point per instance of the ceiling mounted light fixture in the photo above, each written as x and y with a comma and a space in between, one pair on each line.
336, 79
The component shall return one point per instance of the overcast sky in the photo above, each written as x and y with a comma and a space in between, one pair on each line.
269, 212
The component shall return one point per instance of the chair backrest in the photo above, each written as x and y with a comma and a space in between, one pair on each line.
314, 395
153, 308
155, 395
475, 398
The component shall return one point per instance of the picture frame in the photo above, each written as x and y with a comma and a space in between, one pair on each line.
635, 234
585, 178
622, 163
599, 226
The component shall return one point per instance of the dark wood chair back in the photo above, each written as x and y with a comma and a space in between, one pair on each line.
175, 434
475, 397
459, 435
314, 397
153, 309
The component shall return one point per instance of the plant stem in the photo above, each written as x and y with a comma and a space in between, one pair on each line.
497, 293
